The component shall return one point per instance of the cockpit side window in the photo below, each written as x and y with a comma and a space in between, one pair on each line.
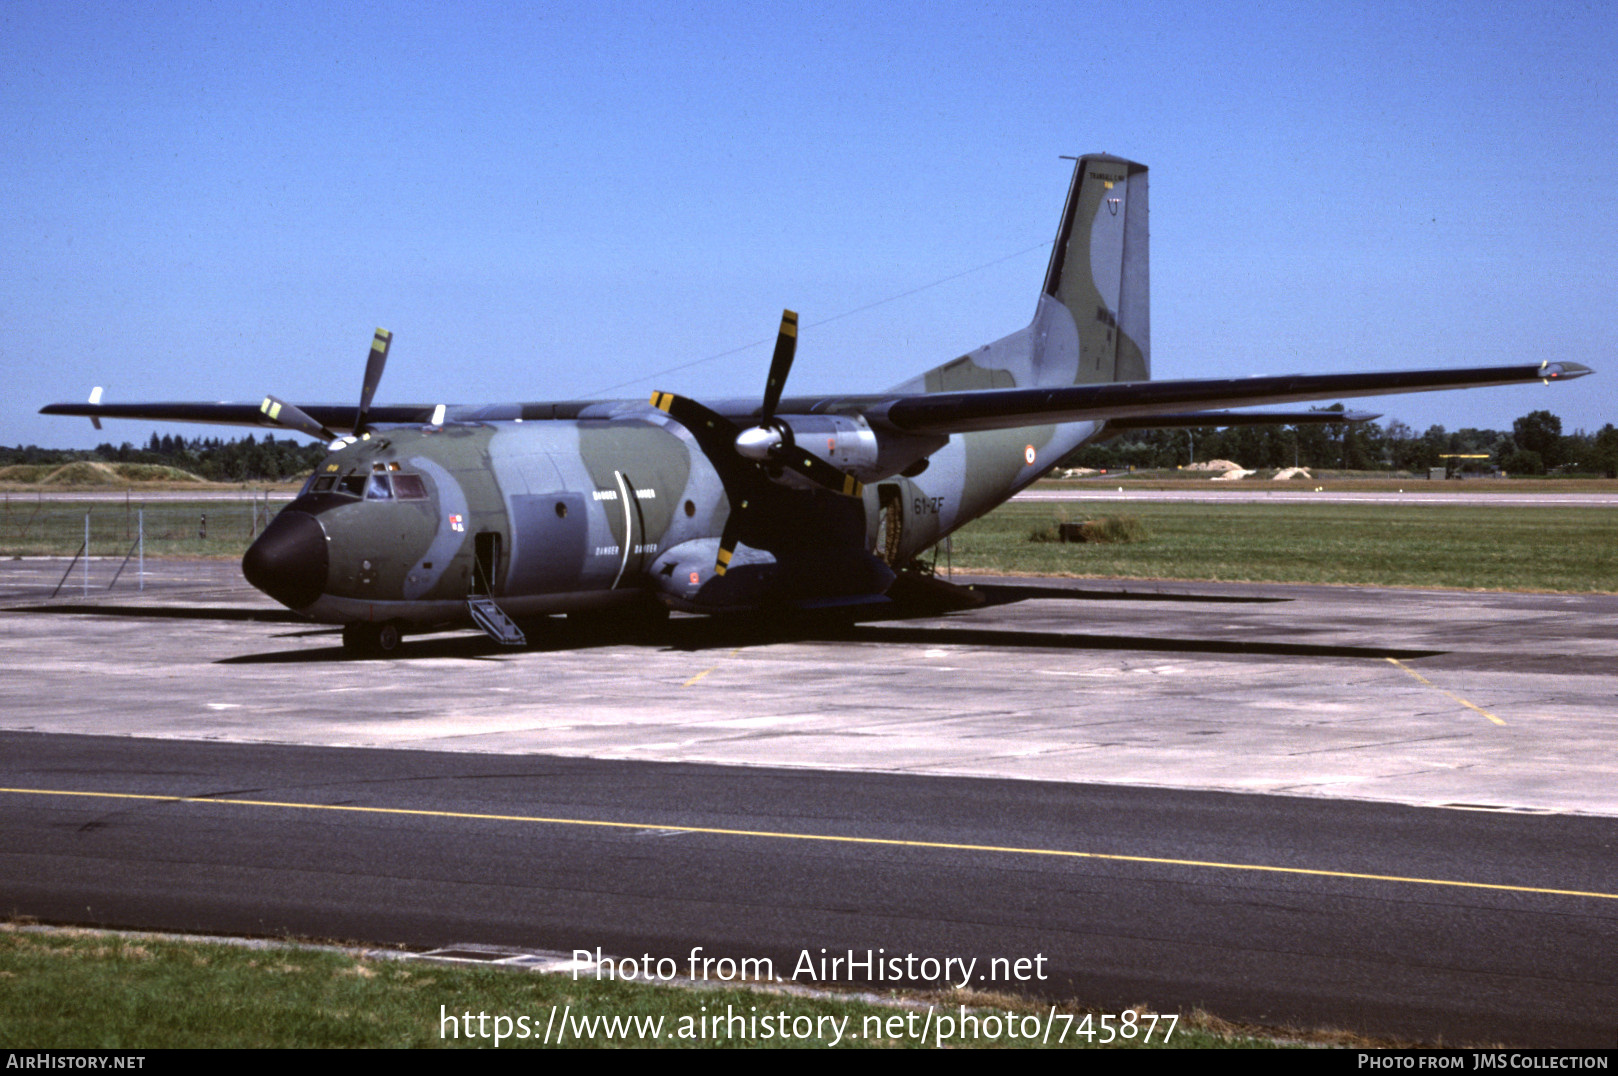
353, 485
324, 483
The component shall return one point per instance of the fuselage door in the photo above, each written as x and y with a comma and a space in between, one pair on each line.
890, 522
485, 562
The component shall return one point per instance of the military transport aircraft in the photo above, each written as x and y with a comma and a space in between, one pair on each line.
430, 516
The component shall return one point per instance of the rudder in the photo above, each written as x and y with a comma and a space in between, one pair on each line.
1099, 270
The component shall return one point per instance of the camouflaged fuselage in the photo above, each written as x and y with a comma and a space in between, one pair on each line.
572, 515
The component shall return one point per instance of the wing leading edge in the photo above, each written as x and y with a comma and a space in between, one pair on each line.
996, 409
1131, 403
337, 417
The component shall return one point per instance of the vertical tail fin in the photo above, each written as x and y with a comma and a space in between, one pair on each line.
1099, 269
1093, 322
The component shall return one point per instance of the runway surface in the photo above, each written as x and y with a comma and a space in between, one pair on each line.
1170, 791
1476, 927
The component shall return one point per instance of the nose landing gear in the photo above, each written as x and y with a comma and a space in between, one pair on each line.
365, 638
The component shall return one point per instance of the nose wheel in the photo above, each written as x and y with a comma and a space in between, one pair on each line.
366, 638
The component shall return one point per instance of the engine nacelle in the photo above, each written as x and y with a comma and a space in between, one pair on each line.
846, 442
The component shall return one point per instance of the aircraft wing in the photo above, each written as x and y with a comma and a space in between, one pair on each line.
995, 409
334, 416
1125, 405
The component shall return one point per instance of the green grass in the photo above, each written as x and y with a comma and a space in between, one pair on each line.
1415, 545
46, 526
90, 990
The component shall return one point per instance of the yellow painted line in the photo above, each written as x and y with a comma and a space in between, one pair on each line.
708, 670
890, 842
1470, 706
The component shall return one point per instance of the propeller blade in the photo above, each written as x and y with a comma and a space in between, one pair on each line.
373, 375
293, 417
786, 345
713, 431
818, 471
729, 539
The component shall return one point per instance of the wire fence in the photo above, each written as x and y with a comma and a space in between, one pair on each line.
33, 525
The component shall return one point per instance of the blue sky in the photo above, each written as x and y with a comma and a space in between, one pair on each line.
543, 201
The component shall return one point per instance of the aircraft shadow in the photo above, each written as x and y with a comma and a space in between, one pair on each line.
696, 635
867, 624
1010, 593
964, 636
166, 612
987, 594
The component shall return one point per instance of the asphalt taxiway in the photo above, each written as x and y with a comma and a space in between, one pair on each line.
1393, 811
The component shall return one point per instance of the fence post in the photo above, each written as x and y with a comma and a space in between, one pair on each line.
141, 523
86, 587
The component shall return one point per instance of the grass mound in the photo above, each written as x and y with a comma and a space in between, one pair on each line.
93, 473
81, 473
152, 472
1110, 530
26, 472
1115, 529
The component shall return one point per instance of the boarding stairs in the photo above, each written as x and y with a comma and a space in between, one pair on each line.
494, 621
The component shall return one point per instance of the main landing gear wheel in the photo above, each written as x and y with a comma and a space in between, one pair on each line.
370, 639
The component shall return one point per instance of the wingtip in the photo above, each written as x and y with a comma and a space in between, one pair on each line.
1565, 371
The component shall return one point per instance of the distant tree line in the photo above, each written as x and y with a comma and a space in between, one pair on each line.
1536, 445
249, 459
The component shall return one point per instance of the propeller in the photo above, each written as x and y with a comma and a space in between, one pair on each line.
771, 442
738, 454
293, 417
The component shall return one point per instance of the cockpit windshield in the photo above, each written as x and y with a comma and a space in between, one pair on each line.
388, 487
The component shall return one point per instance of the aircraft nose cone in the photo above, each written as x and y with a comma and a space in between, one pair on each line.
288, 562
